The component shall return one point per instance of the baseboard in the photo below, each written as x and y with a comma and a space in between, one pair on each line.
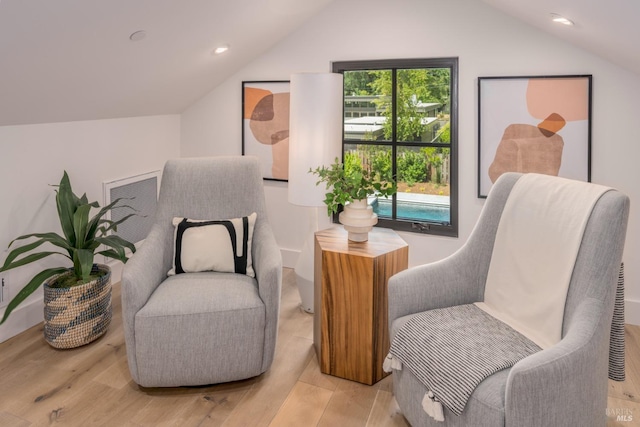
632, 312
289, 257
116, 270
21, 319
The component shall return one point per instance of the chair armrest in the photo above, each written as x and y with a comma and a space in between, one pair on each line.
577, 365
267, 263
452, 281
141, 275
145, 270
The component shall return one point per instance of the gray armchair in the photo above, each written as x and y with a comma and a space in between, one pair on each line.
565, 384
206, 327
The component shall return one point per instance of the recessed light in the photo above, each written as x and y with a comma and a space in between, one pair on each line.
221, 49
561, 19
138, 35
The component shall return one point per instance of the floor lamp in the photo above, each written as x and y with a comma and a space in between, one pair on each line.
315, 139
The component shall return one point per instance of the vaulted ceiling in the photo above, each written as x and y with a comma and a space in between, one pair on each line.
63, 60
68, 60
610, 29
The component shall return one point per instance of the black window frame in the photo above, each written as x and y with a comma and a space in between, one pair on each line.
426, 227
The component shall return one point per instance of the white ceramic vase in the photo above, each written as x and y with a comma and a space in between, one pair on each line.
358, 219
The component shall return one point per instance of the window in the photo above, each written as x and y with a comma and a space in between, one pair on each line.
410, 131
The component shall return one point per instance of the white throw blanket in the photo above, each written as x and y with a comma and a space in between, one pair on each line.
535, 249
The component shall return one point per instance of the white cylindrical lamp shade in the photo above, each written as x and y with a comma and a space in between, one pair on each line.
315, 133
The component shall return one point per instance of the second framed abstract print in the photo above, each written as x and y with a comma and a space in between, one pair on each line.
538, 124
265, 126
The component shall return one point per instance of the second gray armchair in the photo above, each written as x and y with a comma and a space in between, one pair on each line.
564, 384
197, 328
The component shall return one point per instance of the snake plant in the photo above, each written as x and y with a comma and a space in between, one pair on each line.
82, 235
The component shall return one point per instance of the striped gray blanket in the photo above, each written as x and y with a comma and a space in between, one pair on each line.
451, 350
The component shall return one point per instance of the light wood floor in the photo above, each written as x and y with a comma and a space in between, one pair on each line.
42, 386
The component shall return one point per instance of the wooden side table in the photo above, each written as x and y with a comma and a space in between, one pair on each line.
350, 325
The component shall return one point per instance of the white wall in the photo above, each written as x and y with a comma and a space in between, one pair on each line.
488, 43
92, 152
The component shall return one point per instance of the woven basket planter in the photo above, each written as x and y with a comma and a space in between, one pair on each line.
80, 314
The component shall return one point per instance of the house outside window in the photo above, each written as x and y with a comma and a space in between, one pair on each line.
401, 119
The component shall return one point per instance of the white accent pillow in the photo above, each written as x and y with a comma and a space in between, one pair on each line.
213, 245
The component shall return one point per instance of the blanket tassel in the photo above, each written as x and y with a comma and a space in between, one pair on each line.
432, 406
391, 363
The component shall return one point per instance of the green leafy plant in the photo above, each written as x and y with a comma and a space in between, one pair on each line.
351, 181
412, 167
82, 236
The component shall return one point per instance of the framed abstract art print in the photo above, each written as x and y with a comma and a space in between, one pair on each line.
265, 126
538, 124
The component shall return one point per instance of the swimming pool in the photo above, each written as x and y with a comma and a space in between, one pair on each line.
413, 210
